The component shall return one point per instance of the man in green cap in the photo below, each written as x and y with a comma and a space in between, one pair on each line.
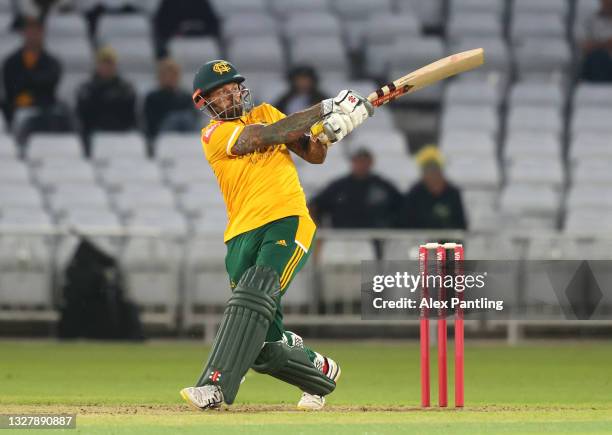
269, 231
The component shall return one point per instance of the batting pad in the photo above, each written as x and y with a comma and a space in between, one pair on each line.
291, 365
243, 330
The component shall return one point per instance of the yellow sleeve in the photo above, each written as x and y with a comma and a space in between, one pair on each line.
272, 113
218, 139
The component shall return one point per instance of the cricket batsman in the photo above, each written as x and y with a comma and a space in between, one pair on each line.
269, 231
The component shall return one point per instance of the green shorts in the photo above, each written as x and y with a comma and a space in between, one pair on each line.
283, 245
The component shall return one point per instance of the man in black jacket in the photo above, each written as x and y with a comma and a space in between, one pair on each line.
31, 76
169, 108
433, 202
303, 90
359, 200
106, 102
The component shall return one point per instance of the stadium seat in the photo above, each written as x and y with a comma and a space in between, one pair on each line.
473, 144
481, 118
262, 53
537, 94
340, 261
44, 146
385, 28
152, 274
541, 25
328, 51
134, 197
529, 200
309, 24
66, 25
72, 195
13, 171
591, 145
476, 93
171, 147
134, 54
584, 11
530, 118
540, 172
226, 8
392, 142
288, 8
430, 13
162, 220
18, 218
588, 221
54, 171
592, 94
184, 173
552, 7
543, 58
107, 146
120, 172
589, 196
25, 271
536, 145
211, 223
200, 197
474, 25
192, 52
122, 27
252, 25
591, 120
592, 171
91, 219
207, 282
477, 6
472, 172
359, 9
457, 143
70, 83
75, 54
19, 195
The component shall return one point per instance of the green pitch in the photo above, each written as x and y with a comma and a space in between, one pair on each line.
127, 388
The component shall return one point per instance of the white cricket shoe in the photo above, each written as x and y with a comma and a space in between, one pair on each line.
206, 397
331, 369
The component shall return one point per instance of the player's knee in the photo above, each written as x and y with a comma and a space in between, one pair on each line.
273, 357
258, 290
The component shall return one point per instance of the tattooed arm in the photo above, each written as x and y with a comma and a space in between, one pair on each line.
310, 149
288, 131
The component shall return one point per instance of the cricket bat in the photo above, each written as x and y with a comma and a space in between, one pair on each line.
422, 77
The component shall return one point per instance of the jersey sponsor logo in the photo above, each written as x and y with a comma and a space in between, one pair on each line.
281, 243
209, 131
221, 67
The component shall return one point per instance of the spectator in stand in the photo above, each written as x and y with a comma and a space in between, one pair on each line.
185, 18
303, 90
360, 199
106, 102
596, 43
433, 202
31, 76
169, 108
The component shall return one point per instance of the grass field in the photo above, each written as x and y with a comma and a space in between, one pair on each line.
128, 388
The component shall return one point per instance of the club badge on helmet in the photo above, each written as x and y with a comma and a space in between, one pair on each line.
209, 77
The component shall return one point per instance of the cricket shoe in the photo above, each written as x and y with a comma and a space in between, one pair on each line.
331, 369
206, 397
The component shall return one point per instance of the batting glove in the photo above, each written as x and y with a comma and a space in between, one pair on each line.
349, 102
336, 126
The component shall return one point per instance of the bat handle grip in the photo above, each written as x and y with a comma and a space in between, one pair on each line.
317, 131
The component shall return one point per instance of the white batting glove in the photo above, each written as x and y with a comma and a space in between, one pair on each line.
336, 126
349, 103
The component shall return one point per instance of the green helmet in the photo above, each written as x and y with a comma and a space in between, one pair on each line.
213, 74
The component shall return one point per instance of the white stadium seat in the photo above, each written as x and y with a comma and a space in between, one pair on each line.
107, 146
328, 51
530, 118
543, 58
542, 172
262, 53
191, 52
287, 8
474, 24
536, 145
542, 25
537, 94
43, 146
593, 94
